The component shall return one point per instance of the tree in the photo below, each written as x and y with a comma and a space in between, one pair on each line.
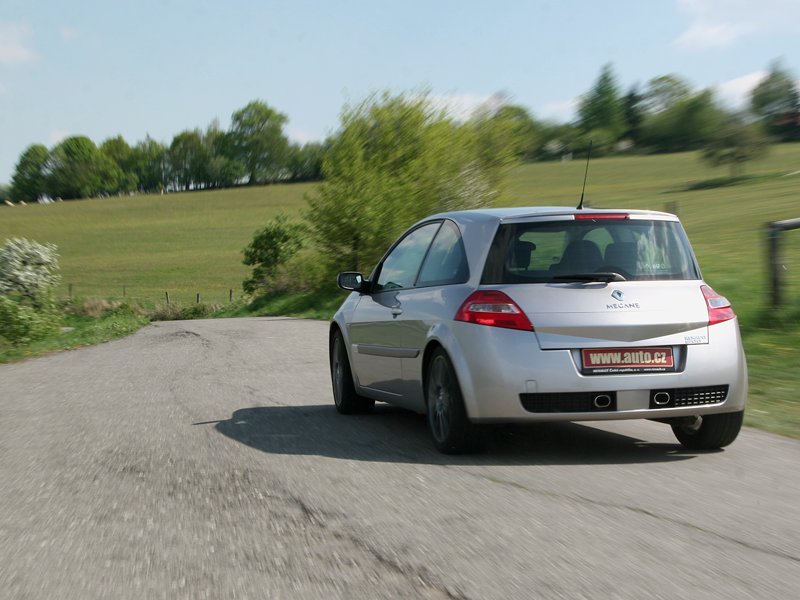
689, 125
664, 93
305, 162
601, 108
558, 140
29, 180
149, 164
77, 169
633, 114
516, 126
271, 248
736, 144
118, 150
261, 146
394, 160
776, 101
223, 168
188, 160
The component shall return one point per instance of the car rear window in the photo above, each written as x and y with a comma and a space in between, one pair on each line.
549, 251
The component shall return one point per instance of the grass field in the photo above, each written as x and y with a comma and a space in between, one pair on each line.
191, 243
184, 244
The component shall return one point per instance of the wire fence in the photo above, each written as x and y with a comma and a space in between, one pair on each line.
72, 291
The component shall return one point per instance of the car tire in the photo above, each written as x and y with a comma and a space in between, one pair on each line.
345, 398
451, 429
711, 433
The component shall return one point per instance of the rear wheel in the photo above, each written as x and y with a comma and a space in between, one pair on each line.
450, 428
344, 390
709, 432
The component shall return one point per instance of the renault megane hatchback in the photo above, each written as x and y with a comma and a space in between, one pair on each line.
541, 314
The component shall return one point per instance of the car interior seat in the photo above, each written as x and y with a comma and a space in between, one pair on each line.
580, 256
623, 255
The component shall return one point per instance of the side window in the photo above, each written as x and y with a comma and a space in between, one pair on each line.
402, 264
446, 261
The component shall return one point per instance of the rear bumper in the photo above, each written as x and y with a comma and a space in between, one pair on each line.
498, 369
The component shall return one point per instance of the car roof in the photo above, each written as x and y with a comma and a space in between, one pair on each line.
524, 212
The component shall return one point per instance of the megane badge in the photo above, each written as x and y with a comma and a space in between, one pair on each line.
617, 295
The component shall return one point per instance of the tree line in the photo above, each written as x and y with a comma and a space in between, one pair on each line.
255, 150
664, 115
667, 115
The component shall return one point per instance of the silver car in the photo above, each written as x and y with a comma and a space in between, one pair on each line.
541, 314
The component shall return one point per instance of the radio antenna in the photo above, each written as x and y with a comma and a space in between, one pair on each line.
585, 175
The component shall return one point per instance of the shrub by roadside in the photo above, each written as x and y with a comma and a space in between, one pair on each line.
21, 324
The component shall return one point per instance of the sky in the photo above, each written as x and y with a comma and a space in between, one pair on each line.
103, 68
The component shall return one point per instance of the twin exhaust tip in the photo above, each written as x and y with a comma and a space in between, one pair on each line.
606, 401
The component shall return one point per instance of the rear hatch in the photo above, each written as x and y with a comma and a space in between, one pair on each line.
599, 315
601, 279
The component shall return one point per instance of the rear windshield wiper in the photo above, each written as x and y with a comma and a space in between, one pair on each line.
606, 277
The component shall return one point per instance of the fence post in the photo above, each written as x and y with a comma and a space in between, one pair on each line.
167, 296
775, 264
197, 301
70, 291
124, 290
774, 258
230, 295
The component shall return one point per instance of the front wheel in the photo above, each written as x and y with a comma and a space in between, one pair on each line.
450, 427
709, 432
345, 397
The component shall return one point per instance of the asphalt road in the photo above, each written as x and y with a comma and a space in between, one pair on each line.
204, 459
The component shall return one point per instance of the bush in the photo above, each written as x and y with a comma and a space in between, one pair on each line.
20, 324
28, 270
178, 312
271, 248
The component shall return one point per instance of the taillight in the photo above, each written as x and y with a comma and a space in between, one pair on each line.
719, 309
493, 308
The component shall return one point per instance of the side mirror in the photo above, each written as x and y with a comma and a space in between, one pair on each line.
351, 281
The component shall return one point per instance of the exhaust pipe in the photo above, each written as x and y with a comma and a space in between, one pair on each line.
601, 401
661, 398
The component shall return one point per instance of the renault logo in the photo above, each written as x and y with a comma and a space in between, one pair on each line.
617, 295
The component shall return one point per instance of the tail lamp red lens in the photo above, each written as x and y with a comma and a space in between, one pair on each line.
719, 309
495, 309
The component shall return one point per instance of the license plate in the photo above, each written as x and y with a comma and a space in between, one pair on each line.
619, 361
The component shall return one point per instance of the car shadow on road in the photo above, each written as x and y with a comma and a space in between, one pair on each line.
394, 435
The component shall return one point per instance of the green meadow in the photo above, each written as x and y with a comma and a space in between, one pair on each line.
190, 243
182, 243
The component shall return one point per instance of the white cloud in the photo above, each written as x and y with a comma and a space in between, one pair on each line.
721, 23
736, 92
300, 136
706, 35
57, 135
69, 34
562, 111
461, 106
13, 43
